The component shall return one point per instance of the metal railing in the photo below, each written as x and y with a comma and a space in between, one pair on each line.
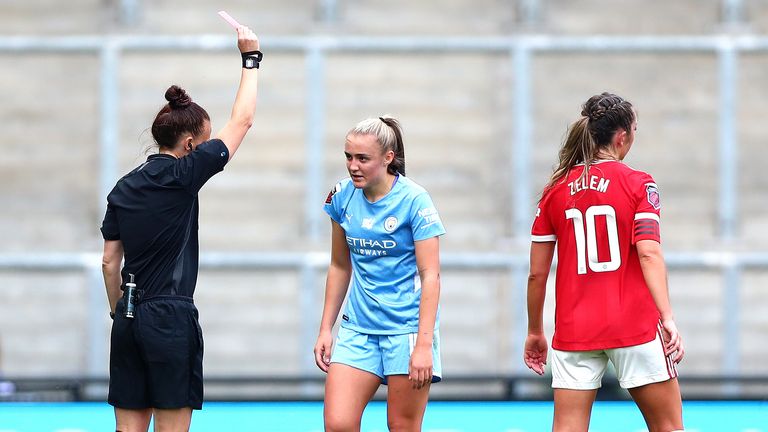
308, 264
520, 50
476, 387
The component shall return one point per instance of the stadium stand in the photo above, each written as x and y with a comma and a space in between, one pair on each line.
456, 109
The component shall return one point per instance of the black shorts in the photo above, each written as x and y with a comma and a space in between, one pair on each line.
156, 359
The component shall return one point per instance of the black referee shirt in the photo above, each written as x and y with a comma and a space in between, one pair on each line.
153, 210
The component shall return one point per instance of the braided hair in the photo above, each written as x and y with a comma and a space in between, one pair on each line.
601, 116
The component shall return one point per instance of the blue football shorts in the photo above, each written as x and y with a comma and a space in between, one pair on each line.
382, 355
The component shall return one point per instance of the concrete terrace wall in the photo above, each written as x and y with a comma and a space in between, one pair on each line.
455, 109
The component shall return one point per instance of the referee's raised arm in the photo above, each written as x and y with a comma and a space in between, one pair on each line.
245, 101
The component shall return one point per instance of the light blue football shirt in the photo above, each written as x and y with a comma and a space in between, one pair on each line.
385, 291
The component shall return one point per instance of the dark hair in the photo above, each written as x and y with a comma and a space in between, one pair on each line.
180, 115
389, 134
602, 115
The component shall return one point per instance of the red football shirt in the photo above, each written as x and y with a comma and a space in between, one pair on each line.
601, 299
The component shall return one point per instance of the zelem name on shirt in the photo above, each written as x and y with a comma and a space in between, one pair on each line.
592, 182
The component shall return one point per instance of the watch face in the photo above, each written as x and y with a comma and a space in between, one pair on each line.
250, 62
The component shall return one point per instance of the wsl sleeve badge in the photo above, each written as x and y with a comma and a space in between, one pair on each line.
652, 191
333, 192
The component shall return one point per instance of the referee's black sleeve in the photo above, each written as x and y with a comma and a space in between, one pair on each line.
199, 166
109, 227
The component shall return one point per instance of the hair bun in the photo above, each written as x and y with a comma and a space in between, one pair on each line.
177, 97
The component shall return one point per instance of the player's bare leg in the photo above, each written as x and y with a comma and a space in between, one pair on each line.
173, 420
573, 409
129, 420
661, 405
347, 391
405, 404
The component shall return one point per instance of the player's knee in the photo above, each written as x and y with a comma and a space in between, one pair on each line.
402, 424
340, 424
401, 427
666, 427
338, 427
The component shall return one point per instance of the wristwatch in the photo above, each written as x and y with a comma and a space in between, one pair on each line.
251, 59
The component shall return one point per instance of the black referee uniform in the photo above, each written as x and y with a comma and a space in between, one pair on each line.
156, 359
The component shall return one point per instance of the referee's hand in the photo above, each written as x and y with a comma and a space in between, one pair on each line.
247, 40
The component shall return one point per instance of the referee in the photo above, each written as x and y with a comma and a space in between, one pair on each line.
156, 357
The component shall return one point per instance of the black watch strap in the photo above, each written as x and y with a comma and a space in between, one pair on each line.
251, 59
111, 314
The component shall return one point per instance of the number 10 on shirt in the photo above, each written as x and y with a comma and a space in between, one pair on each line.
589, 241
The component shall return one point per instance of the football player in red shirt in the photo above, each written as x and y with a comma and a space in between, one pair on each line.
611, 296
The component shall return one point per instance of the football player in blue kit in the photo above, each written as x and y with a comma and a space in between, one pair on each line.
385, 239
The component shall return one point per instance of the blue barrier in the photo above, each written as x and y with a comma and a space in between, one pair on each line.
700, 416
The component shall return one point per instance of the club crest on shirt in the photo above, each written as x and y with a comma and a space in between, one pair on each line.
333, 191
390, 224
653, 195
